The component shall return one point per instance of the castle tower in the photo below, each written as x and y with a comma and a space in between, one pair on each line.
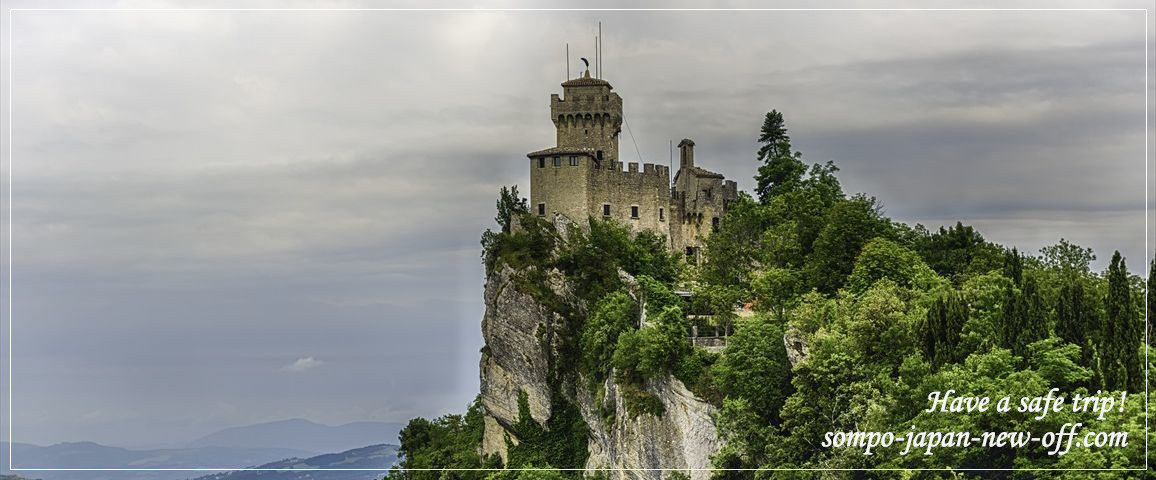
589, 117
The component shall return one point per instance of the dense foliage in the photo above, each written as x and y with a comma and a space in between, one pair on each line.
888, 313
448, 441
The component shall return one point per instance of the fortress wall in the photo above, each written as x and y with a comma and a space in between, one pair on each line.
563, 188
646, 188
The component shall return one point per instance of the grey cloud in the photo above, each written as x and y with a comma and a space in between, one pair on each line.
202, 197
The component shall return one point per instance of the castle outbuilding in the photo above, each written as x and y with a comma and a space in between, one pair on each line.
582, 176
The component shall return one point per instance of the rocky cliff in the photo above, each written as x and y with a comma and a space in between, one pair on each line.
522, 339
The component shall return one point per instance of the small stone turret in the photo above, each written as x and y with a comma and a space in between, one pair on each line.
686, 153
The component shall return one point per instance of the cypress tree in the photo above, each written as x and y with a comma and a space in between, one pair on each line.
1151, 299
941, 328
1013, 266
1077, 321
1122, 332
1023, 318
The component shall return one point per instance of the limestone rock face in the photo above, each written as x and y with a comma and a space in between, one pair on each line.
797, 348
514, 359
685, 436
518, 334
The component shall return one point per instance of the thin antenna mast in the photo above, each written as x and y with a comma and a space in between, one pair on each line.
598, 57
599, 49
567, 61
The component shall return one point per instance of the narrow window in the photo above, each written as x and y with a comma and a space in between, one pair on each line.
661, 214
557, 161
541, 162
599, 155
634, 211
690, 255
541, 209
714, 223
573, 160
606, 209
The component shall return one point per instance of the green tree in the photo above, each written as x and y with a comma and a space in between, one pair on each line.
957, 250
654, 349
450, 441
510, 205
774, 289
737, 248
941, 328
1024, 319
985, 296
1150, 295
782, 170
612, 315
1069, 259
849, 225
1077, 319
1013, 266
798, 216
1058, 363
882, 258
755, 367
1122, 332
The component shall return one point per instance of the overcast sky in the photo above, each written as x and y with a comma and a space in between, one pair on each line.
227, 217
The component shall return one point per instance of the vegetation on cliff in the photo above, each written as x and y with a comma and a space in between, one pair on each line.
888, 312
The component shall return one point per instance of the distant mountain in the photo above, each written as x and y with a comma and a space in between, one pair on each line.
92, 455
299, 434
377, 458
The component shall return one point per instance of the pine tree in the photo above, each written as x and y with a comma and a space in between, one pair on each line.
782, 169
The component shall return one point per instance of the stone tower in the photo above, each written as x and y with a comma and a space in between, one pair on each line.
588, 116
582, 175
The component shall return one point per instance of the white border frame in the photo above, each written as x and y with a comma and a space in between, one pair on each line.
11, 174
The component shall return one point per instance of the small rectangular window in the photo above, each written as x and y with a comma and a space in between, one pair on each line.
690, 255
557, 161
541, 209
599, 155
606, 209
714, 223
634, 211
541, 162
573, 160
661, 214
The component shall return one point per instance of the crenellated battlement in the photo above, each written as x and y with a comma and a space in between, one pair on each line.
649, 170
